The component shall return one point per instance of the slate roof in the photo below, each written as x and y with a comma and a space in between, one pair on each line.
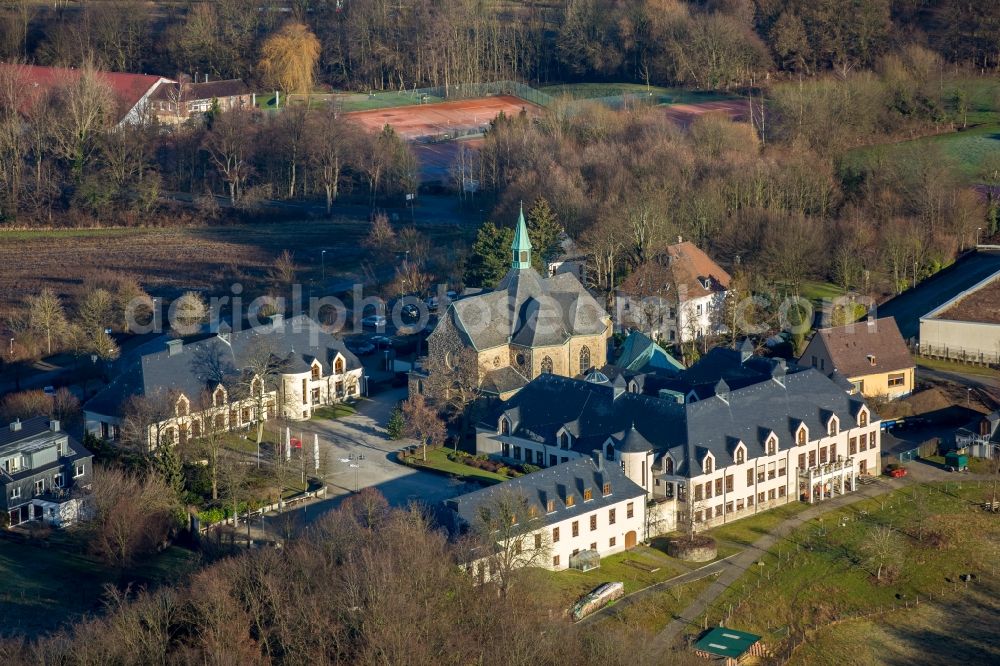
640, 354
29, 428
528, 310
555, 483
205, 363
850, 347
35, 434
503, 380
595, 413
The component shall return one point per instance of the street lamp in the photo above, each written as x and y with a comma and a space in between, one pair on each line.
355, 460
322, 257
12, 348
978, 232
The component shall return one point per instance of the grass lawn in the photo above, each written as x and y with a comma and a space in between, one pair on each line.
958, 368
654, 612
47, 586
663, 95
825, 571
976, 465
339, 410
383, 100
817, 291
437, 459
747, 530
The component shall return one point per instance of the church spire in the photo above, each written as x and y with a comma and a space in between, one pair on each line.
521, 247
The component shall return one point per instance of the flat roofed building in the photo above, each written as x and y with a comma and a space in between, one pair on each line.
967, 327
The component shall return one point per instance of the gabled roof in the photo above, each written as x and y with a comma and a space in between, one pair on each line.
640, 354
201, 91
29, 428
680, 272
864, 348
640, 422
129, 89
528, 310
205, 363
554, 483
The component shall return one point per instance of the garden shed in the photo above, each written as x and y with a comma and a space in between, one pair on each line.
585, 560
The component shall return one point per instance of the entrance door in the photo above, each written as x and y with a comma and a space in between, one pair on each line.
863, 467
630, 539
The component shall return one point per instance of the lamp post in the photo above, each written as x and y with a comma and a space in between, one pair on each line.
979, 231
322, 258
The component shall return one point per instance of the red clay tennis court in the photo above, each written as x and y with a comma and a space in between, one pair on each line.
443, 118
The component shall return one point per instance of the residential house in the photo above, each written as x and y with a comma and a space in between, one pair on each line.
981, 437
207, 383
580, 506
870, 354
526, 327
676, 296
176, 102
44, 473
132, 92
703, 460
571, 259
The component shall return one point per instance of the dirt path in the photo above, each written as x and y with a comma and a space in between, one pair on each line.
733, 568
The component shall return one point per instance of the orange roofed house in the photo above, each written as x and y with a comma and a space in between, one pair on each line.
870, 354
676, 296
132, 92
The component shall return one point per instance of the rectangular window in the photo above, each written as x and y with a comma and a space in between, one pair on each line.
555, 535
760, 475
802, 461
760, 498
749, 477
593, 523
770, 470
39, 486
593, 546
750, 500
607, 489
781, 491
864, 442
718, 486
897, 379
708, 489
822, 455
812, 458
854, 445
729, 483
729, 507
550, 506
611, 516
517, 453
587, 495
781, 468
57, 480
78, 471
570, 501
630, 510
576, 528
698, 493
611, 542
697, 516
770, 494
539, 458
718, 511
833, 452
555, 560
15, 493
538, 541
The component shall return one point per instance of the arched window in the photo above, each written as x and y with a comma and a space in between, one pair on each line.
863, 418
316, 370
740, 456
546, 366
584, 359
563, 440
609, 452
708, 466
183, 406
339, 366
800, 436
772, 446
668, 465
831, 428
504, 427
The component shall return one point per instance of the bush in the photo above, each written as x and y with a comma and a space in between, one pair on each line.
528, 469
396, 425
211, 516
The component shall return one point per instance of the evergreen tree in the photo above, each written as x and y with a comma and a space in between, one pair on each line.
168, 464
543, 230
490, 258
396, 424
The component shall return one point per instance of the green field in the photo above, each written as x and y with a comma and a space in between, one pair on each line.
329, 412
437, 459
825, 571
582, 91
47, 586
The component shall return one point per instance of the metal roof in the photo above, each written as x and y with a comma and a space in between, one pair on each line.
726, 642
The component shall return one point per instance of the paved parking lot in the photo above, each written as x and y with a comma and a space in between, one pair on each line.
364, 434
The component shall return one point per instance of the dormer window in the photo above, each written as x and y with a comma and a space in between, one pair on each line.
316, 371
801, 436
550, 506
587, 494
772, 445
504, 426
338, 366
570, 501
219, 397
564, 440
183, 406
871, 359
863, 418
607, 489
831, 427
741, 455
707, 466
609, 451
668, 465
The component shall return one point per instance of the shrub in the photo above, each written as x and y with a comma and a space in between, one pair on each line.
211, 516
396, 425
528, 469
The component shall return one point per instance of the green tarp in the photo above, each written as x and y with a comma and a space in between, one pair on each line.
726, 642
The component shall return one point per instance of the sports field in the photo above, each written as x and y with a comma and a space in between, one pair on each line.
444, 119
685, 114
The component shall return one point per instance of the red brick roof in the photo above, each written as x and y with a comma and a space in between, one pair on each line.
864, 348
128, 88
685, 267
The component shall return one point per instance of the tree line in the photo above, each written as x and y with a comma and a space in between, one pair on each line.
382, 45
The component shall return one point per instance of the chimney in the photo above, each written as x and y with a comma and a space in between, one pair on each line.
54, 425
277, 322
174, 347
15, 425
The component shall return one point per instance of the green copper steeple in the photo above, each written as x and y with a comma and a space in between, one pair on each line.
521, 247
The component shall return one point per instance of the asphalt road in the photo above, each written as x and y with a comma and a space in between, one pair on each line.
364, 434
914, 303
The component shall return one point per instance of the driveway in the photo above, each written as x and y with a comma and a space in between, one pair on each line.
363, 434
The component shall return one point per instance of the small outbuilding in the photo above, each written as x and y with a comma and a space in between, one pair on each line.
728, 646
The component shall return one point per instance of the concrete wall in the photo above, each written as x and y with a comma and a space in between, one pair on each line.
961, 340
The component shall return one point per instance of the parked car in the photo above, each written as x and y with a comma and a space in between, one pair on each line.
895, 471
374, 321
410, 311
49, 391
